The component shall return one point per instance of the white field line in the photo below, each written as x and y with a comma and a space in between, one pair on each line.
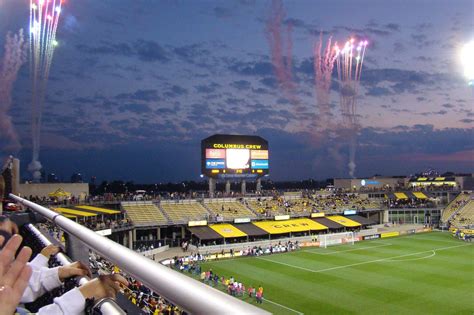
343, 251
433, 253
361, 263
432, 240
283, 306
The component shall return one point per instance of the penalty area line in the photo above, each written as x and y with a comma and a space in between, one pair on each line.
364, 262
283, 306
349, 250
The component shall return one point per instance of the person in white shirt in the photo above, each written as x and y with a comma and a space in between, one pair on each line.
23, 282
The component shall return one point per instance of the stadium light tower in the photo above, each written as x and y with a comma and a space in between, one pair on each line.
467, 59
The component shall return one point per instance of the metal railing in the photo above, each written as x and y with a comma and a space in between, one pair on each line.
189, 294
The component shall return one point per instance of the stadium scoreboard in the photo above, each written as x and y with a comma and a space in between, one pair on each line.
234, 156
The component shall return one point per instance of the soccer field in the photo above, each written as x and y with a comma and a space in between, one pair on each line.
428, 273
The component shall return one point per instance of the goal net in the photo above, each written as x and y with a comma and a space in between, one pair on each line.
326, 240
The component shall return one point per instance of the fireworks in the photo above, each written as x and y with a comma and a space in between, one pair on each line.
323, 67
279, 46
13, 59
44, 18
349, 69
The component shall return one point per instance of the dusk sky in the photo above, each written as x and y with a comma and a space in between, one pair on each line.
136, 85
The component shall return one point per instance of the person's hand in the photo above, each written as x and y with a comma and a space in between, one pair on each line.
75, 269
14, 274
50, 250
103, 286
9, 226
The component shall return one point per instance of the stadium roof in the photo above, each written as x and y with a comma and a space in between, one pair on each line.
251, 229
361, 220
329, 223
344, 221
227, 230
204, 233
433, 179
407, 195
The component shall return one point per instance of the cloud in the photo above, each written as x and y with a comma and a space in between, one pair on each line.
365, 32
194, 54
120, 49
423, 59
405, 80
467, 121
398, 47
136, 108
140, 95
150, 51
207, 88
269, 82
176, 91
144, 50
241, 85
393, 27
378, 91
259, 68
416, 139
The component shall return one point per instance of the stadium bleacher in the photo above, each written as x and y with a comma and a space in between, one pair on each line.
465, 216
143, 213
339, 202
266, 207
454, 206
184, 212
230, 210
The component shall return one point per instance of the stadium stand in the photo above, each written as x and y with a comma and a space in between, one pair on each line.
300, 205
455, 205
337, 203
230, 210
267, 207
465, 216
143, 213
184, 211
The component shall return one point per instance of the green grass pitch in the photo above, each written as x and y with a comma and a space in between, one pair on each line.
428, 273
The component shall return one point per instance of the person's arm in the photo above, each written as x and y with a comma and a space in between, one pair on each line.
70, 303
74, 301
43, 279
41, 260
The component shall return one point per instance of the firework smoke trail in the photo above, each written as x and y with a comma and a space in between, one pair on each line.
323, 67
282, 65
44, 18
13, 59
349, 69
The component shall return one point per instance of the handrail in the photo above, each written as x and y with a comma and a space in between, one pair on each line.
191, 295
108, 307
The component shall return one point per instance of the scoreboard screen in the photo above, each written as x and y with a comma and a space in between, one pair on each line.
226, 156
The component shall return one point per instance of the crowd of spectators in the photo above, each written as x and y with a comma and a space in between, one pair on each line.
311, 203
408, 203
137, 293
107, 223
140, 295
